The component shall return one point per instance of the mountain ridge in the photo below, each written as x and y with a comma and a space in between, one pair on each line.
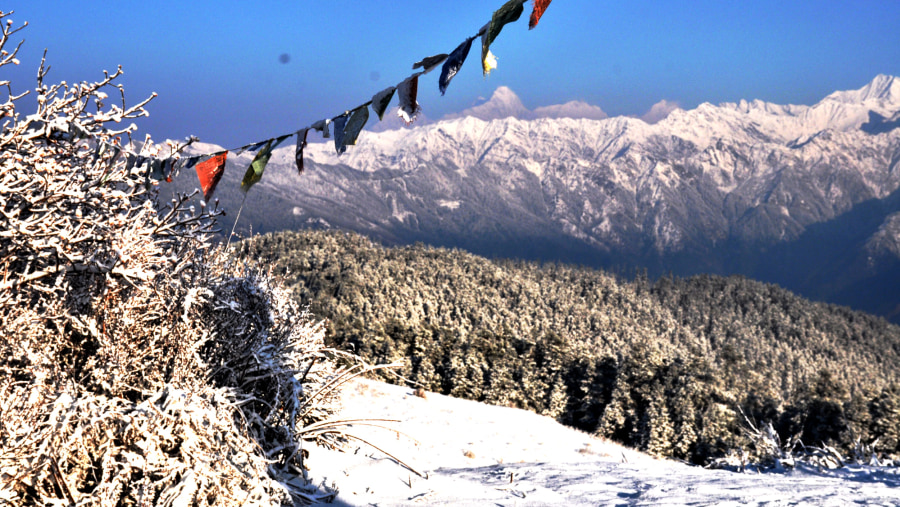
714, 188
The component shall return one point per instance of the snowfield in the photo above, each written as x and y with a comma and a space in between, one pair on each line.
474, 454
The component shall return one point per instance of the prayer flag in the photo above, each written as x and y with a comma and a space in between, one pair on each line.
489, 63
355, 124
347, 127
153, 171
407, 91
156, 169
539, 7
209, 172
255, 171
257, 146
429, 63
177, 166
339, 123
509, 12
381, 100
191, 162
322, 126
130, 161
485, 50
454, 63
168, 168
250, 147
301, 143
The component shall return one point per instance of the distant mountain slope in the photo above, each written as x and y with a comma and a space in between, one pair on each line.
804, 196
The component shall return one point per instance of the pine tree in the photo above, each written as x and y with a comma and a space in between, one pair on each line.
656, 428
885, 426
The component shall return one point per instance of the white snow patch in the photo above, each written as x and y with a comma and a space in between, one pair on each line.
604, 227
573, 109
398, 212
474, 454
534, 167
448, 204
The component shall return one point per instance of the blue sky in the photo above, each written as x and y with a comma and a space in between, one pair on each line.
216, 65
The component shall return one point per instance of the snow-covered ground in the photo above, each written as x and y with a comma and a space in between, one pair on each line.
475, 454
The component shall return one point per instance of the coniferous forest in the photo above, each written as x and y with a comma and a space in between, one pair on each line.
675, 367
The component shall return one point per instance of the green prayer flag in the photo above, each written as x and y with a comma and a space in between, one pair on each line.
510, 12
255, 171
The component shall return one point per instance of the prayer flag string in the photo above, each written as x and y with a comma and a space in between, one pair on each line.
347, 126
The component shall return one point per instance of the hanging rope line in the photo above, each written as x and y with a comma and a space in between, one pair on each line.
210, 167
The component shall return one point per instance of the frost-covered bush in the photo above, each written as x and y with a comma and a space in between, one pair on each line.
138, 363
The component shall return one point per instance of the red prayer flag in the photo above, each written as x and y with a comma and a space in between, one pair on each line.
539, 7
210, 172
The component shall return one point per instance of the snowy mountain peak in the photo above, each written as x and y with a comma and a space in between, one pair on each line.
502, 104
883, 88
503, 95
572, 109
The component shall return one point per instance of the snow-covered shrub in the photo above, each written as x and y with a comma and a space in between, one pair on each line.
139, 364
766, 451
865, 454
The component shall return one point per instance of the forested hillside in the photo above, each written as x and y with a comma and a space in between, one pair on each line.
807, 197
664, 366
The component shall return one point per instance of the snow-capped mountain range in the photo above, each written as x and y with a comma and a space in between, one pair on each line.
801, 195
